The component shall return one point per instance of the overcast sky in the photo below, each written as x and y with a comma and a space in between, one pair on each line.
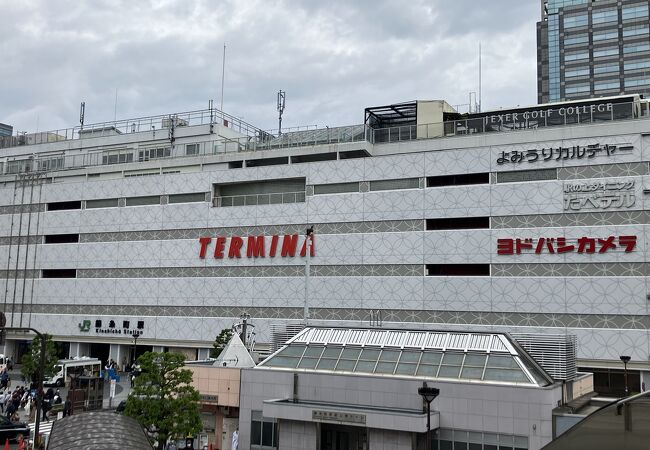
333, 58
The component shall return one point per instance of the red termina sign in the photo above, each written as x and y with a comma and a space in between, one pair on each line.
254, 246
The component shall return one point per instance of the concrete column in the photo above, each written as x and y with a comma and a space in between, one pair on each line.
79, 349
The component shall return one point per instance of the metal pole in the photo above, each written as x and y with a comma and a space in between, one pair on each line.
428, 426
625, 374
308, 244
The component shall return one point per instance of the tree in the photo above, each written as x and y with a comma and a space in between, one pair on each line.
163, 399
31, 360
220, 342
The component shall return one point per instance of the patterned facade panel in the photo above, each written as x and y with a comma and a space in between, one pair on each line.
526, 198
394, 248
99, 189
97, 220
393, 205
622, 295
336, 208
97, 255
458, 247
6, 196
451, 162
58, 256
245, 216
571, 219
460, 201
457, 294
610, 344
394, 167
392, 293
88, 291
182, 183
571, 270
339, 292
142, 186
280, 213
529, 295
139, 254
575, 152
341, 171
62, 291
185, 215
633, 169
138, 292
62, 192
141, 218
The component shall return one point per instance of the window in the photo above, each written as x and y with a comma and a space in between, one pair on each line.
635, 30
576, 73
637, 64
192, 149
577, 39
267, 192
60, 238
20, 166
576, 21
389, 185
606, 68
142, 201
61, 206
636, 48
313, 158
458, 223
458, 270
117, 158
459, 180
637, 82
102, 203
635, 12
605, 35
603, 16
264, 431
575, 89
154, 153
187, 198
526, 175
56, 163
335, 188
611, 51
59, 273
606, 86
575, 56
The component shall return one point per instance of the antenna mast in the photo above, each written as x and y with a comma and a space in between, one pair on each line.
223, 72
281, 95
82, 112
479, 77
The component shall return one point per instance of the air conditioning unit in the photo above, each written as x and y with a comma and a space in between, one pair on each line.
167, 122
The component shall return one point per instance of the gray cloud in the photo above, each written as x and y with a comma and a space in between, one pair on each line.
333, 58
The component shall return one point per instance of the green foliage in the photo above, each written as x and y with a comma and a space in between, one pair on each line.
31, 359
220, 342
163, 399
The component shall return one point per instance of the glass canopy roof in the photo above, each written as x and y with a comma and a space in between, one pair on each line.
481, 357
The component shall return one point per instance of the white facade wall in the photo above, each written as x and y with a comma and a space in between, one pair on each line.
608, 309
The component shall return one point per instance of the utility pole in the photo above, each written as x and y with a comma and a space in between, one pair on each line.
309, 241
280, 107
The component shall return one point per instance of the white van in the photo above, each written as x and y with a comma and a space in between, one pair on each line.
77, 366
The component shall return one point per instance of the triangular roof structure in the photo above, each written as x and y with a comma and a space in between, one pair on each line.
235, 354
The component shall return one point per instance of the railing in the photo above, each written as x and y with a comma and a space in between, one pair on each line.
259, 199
137, 125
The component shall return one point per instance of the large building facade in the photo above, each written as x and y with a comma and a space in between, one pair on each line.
590, 48
531, 220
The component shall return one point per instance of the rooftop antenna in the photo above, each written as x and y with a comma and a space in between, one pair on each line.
281, 95
115, 108
223, 73
82, 112
479, 77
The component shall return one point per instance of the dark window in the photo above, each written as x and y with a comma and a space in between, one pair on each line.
98, 323
61, 206
59, 273
458, 270
125, 324
389, 185
187, 198
267, 162
140, 324
458, 223
235, 164
102, 203
459, 180
313, 158
527, 175
353, 154
142, 201
61, 238
256, 432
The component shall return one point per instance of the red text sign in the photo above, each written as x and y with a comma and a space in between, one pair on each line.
254, 246
509, 246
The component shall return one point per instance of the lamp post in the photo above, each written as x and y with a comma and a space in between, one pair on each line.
136, 335
309, 242
428, 395
625, 359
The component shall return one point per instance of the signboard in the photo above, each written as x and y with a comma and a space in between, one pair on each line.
563, 153
335, 416
560, 245
254, 246
599, 195
112, 327
209, 399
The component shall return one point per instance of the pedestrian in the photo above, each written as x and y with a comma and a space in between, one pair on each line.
11, 409
67, 407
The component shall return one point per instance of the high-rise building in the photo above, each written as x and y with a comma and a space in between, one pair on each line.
6, 130
588, 48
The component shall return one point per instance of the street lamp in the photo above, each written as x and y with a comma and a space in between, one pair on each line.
309, 242
625, 359
428, 394
136, 335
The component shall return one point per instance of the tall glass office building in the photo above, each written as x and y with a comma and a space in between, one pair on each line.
588, 48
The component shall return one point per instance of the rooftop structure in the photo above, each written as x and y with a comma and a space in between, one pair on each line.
476, 357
